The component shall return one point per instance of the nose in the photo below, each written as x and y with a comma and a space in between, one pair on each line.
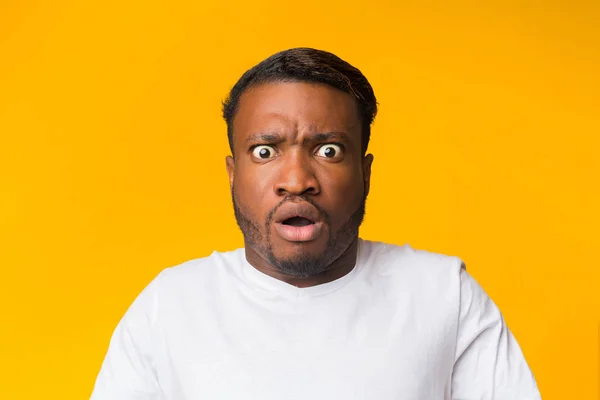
296, 176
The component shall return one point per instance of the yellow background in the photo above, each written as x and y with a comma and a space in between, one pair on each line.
112, 160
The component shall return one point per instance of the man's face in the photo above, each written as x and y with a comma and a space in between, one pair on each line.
299, 180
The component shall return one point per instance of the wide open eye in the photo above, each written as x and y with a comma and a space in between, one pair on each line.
264, 152
332, 151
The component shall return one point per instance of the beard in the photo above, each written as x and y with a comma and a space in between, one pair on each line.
304, 264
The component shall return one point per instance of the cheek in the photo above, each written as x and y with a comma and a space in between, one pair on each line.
344, 191
252, 191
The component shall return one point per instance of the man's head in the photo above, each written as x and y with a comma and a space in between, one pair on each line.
298, 125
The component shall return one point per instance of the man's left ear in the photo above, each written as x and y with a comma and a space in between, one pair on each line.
367, 162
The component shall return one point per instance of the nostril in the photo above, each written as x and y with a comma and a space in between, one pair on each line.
295, 186
283, 191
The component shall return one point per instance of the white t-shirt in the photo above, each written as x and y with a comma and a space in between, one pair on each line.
403, 325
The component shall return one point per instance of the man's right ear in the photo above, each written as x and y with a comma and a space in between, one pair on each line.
230, 163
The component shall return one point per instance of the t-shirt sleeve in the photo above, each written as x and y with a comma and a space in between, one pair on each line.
489, 364
128, 372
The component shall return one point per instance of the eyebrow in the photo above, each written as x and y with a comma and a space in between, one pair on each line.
329, 137
264, 138
317, 137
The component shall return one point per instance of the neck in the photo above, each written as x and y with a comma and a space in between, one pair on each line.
337, 269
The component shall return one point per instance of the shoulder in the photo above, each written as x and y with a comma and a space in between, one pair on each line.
412, 269
199, 272
392, 257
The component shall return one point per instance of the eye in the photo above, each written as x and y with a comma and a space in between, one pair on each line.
330, 151
264, 152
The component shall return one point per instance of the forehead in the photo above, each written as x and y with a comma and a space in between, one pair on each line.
295, 108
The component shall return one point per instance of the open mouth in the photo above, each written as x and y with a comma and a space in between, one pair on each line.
298, 221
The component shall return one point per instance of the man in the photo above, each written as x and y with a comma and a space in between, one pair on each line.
307, 310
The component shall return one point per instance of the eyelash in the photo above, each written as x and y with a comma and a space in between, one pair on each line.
251, 149
340, 145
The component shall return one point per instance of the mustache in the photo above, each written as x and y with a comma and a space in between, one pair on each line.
296, 199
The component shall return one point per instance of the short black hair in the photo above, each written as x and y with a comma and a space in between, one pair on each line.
304, 64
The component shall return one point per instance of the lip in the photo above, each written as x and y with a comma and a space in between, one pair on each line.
298, 233
291, 210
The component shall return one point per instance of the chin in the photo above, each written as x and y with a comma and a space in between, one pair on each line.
286, 249
301, 259
303, 266
293, 251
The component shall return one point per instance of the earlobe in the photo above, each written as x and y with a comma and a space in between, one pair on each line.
230, 164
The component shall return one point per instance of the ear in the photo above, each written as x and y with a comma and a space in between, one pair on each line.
230, 163
367, 162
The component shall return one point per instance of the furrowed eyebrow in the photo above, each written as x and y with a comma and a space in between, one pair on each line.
329, 137
263, 138
273, 138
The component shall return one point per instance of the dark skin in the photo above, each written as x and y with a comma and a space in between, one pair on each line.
299, 143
